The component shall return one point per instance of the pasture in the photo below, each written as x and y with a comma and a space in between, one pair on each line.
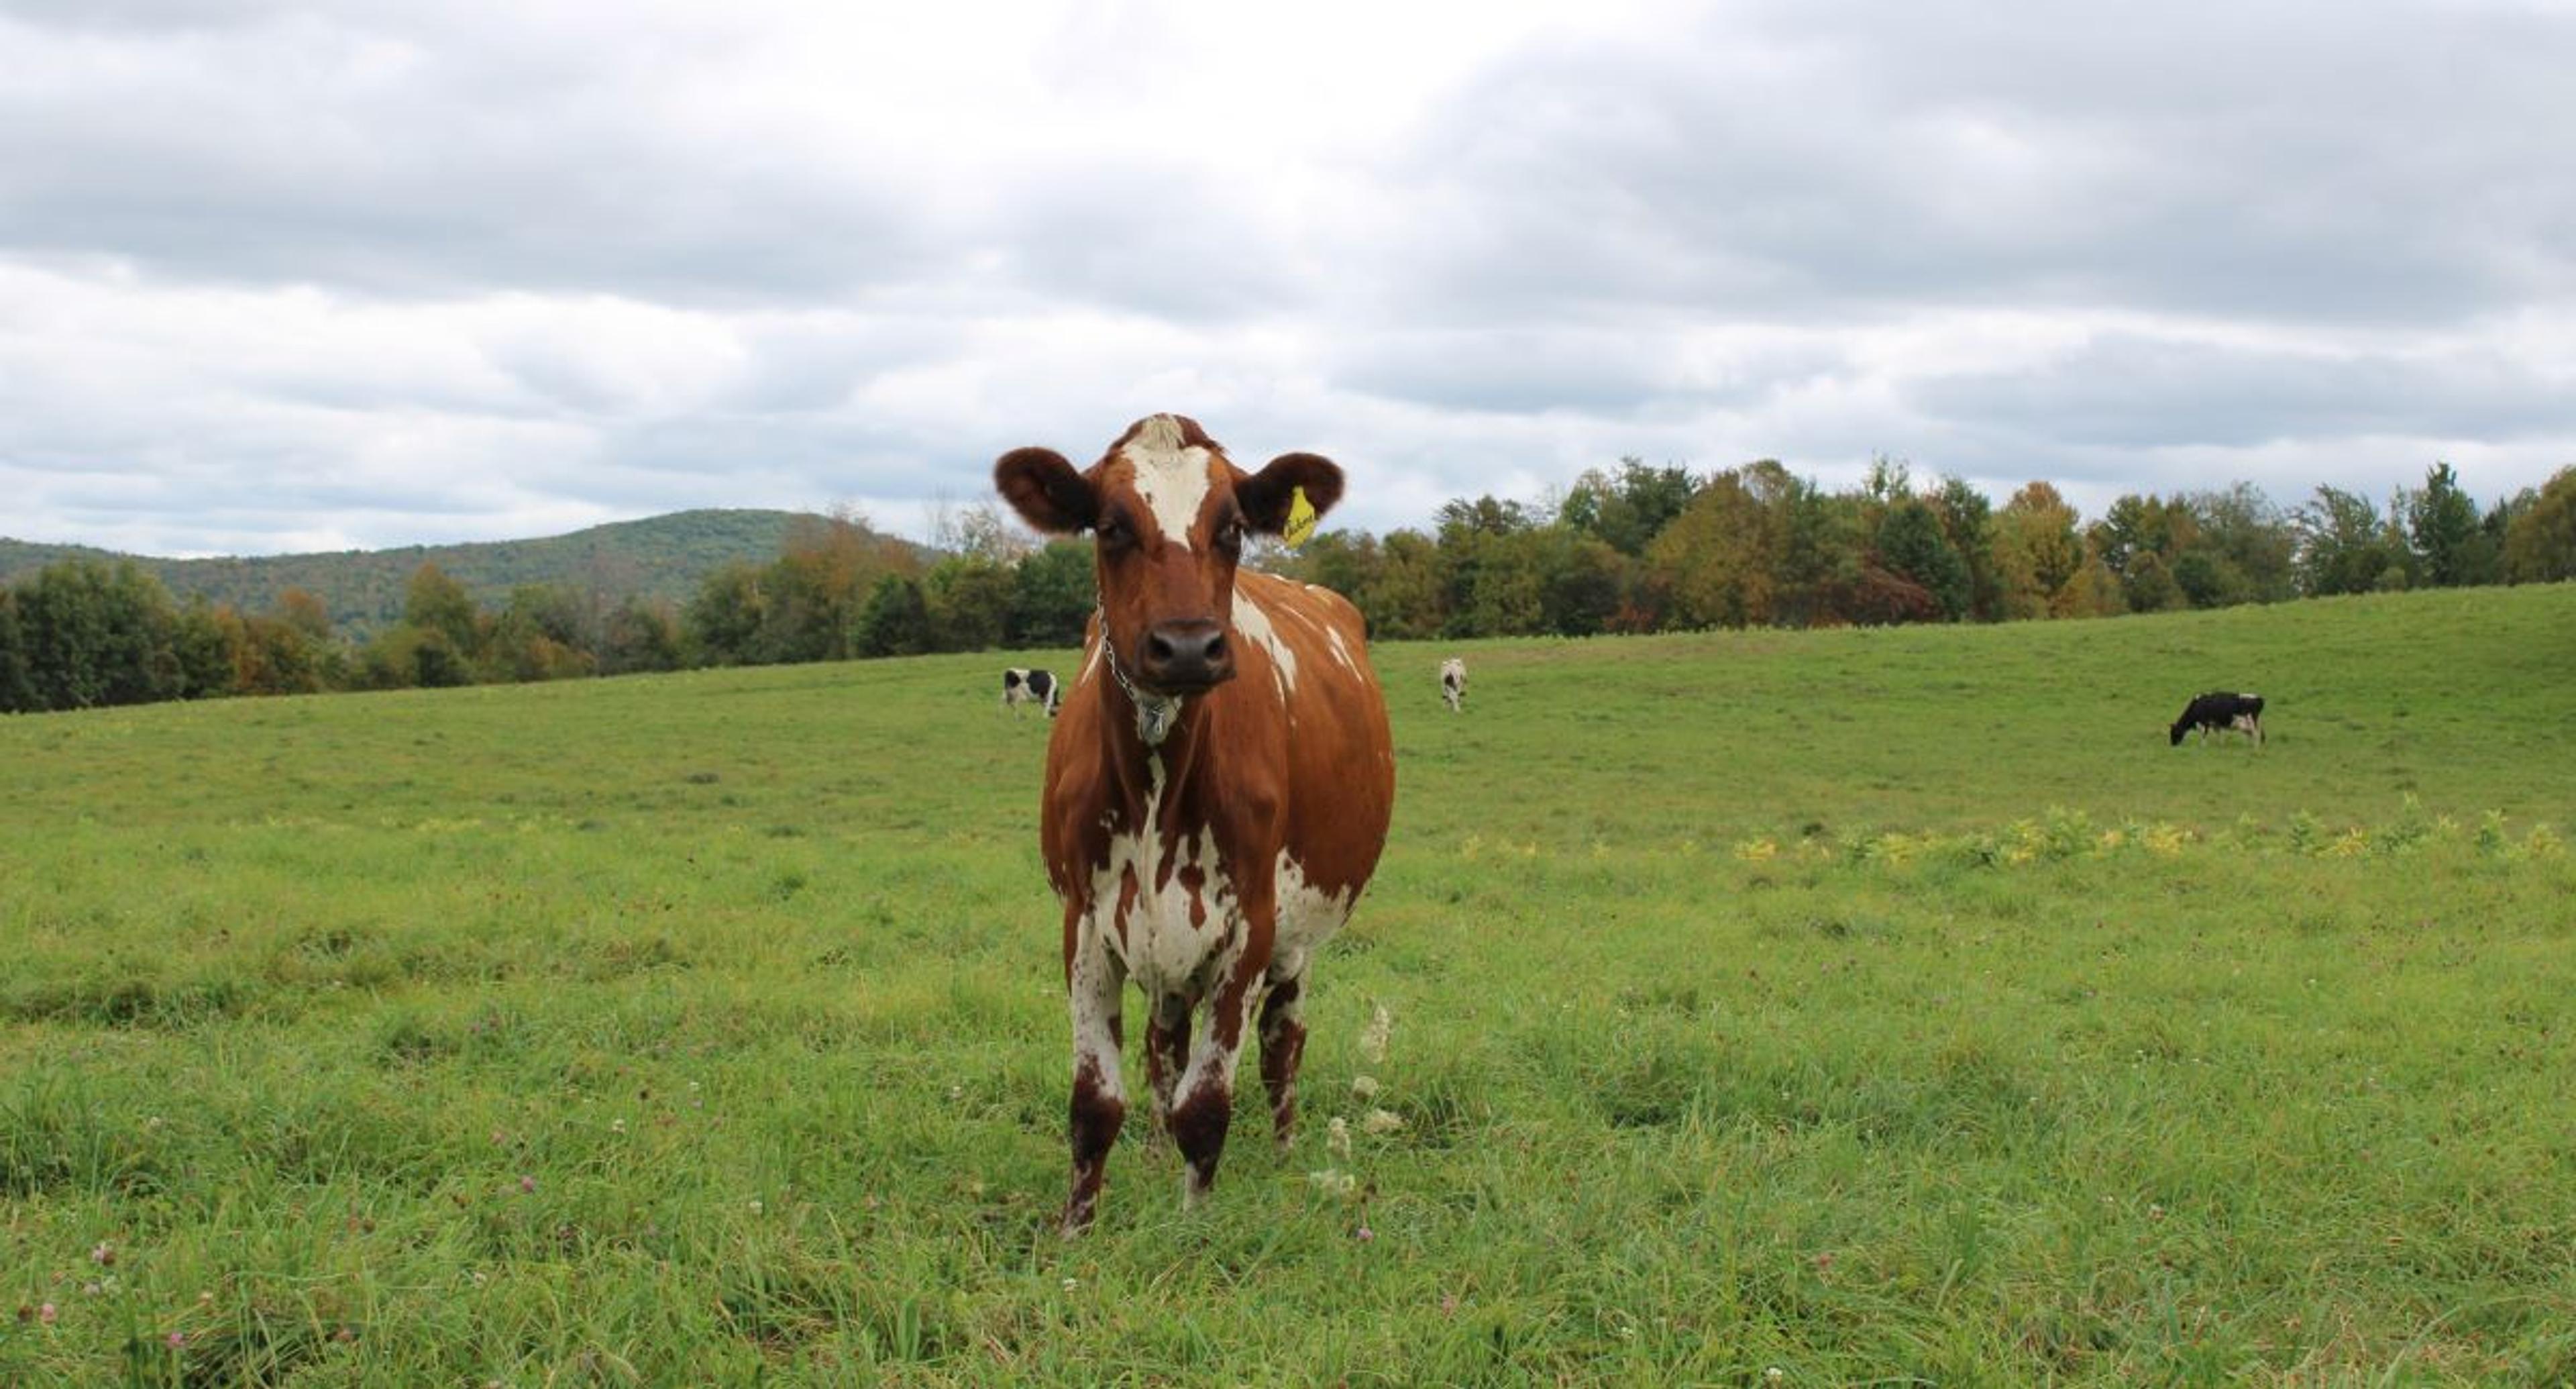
1817, 1008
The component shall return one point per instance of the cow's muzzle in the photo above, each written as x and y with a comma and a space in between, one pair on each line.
1186, 657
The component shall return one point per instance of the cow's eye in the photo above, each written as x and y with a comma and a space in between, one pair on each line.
1113, 532
1229, 533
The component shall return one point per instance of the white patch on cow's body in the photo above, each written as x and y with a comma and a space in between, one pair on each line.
1169, 936
1093, 1000
1171, 476
1253, 621
1308, 916
1341, 649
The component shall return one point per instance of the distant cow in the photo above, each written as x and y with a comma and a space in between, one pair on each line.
1453, 682
2218, 712
1217, 791
1031, 687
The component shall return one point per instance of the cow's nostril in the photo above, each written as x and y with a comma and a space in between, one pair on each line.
1158, 647
1216, 647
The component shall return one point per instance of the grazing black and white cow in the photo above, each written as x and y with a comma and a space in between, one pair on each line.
1453, 682
1031, 687
2218, 712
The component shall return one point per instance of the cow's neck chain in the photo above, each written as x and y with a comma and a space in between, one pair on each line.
1155, 714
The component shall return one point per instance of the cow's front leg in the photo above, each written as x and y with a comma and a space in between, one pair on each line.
1283, 1043
1206, 1106
1167, 1052
1094, 982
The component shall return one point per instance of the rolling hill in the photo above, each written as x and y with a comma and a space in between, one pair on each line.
660, 557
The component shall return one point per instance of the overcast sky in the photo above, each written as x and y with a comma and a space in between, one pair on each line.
294, 276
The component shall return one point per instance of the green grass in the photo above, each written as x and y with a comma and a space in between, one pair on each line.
1873, 1006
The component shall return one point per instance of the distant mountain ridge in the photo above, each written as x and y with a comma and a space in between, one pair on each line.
660, 557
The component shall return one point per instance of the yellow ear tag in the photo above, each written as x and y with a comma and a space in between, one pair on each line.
1301, 519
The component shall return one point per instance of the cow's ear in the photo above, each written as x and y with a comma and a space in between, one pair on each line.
1268, 496
1046, 491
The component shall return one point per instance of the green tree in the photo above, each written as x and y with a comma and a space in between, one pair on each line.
2344, 546
2207, 580
1408, 598
1628, 508
1053, 591
405, 656
725, 617
1968, 523
896, 621
1347, 562
98, 634
434, 602
2253, 544
538, 636
17, 691
1487, 589
1584, 582
1912, 546
2442, 526
639, 635
969, 597
202, 646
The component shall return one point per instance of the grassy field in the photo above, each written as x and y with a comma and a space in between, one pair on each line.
1888, 1007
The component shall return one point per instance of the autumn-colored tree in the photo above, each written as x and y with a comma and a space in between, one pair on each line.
2540, 543
2036, 550
2091, 591
1717, 564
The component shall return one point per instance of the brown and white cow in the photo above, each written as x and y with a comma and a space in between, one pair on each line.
1217, 785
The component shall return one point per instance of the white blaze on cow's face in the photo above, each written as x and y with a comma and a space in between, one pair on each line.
1169, 536
1171, 477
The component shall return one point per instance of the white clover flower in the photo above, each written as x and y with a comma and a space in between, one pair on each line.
1337, 1137
1332, 1181
1381, 1121
1364, 1087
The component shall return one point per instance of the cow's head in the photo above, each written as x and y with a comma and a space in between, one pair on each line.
1169, 512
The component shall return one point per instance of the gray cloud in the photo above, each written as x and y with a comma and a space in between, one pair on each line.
2130, 391
2328, 165
378, 272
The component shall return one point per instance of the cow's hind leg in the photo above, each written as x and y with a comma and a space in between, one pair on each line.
1283, 1045
1099, 1097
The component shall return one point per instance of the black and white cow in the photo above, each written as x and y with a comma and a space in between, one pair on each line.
1031, 687
2218, 712
1453, 682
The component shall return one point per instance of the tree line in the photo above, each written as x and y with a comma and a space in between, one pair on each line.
1649, 549
1634, 548
86, 632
